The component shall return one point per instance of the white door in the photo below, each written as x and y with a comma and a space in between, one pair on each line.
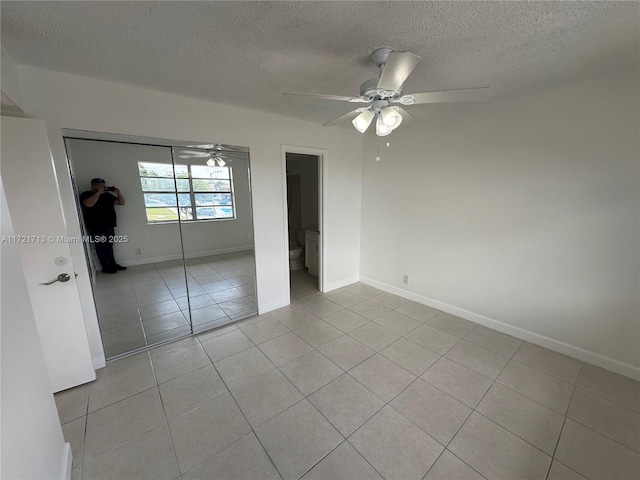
36, 210
31, 441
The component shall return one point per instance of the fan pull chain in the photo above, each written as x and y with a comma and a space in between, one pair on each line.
378, 149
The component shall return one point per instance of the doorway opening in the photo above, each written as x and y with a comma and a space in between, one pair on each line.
303, 169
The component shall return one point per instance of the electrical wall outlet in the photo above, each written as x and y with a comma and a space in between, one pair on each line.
405, 279
138, 251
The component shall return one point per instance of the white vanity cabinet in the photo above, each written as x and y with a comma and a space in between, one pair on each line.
312, 252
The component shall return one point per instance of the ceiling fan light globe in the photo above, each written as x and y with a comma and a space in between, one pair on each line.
391, 117
221, 162
382, 130
211, 162
397, 123
362, 121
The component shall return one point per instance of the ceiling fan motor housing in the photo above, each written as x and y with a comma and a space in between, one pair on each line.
378, 105
380, 55
369, 91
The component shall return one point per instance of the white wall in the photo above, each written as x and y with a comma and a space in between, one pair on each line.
33, 446
68, 101
523, 212
117, 163
9, 78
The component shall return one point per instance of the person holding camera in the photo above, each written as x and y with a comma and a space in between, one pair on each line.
100, 217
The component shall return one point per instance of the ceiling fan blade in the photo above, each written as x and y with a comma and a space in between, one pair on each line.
407, 118
195, 153
346, 116
443, 96
320, 96
195, 156
211, 148
398, 67
207, 146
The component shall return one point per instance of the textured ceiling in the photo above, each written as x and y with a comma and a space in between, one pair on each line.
247, 54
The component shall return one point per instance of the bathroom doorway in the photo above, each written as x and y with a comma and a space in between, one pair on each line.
303, 169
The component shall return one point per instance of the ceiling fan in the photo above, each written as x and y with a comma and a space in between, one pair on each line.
213, 156
385, 97
214, 146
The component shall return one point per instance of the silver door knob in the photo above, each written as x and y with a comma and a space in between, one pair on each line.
63, 277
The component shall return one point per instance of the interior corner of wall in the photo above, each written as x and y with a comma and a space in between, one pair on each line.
269, 307
67, 462
98, 362
341, 283
9, 78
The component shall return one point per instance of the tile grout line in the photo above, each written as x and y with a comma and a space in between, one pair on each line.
237, 406
473, 409
115, 403
385, 403
637, 452
564, 421
583, 389
304, 397
248, 423
378, 352
84, 436
164, 415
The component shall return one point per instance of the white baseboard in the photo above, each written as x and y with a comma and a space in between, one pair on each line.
67, 462
579, 353
340, 284
269, 307
98, 362
165, 258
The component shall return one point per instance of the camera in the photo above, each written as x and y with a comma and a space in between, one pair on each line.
109, 189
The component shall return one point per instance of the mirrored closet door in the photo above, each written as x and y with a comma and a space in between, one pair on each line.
184, 234
217, 234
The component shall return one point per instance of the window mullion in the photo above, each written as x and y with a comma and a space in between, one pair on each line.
194, 215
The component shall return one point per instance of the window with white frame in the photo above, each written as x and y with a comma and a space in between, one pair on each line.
195, 193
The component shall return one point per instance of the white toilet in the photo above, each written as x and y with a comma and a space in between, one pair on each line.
296, 250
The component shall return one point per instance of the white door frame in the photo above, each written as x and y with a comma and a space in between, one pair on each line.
322, 162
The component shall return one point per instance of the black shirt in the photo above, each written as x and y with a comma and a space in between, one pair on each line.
102, 215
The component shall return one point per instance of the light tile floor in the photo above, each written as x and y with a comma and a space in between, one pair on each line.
147, 304
353, 384
302, 284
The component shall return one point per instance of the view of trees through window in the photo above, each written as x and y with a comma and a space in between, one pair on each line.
195, 192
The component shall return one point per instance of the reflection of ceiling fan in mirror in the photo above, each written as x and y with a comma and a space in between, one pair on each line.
213, 156
215, 146
385, 97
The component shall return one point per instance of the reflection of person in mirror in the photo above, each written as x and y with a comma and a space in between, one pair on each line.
100, 217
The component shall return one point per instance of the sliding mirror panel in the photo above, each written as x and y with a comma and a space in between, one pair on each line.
146, 303
217, 234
